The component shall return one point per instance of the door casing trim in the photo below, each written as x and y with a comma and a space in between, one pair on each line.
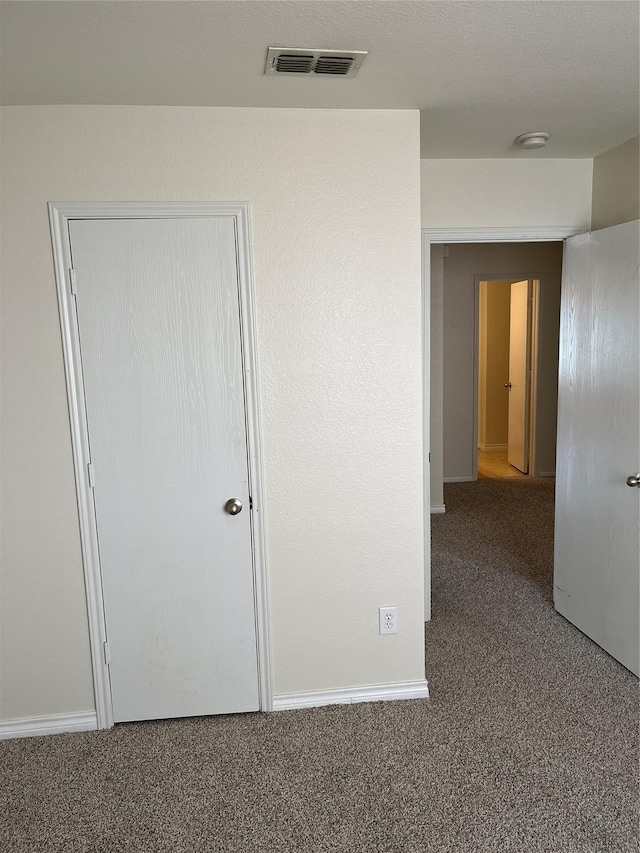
59, 215
521, 234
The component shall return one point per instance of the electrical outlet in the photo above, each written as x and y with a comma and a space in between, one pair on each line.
388, 620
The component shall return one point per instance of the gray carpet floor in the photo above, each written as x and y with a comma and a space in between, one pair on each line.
529, 742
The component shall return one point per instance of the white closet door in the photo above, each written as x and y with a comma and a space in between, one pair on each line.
597, 537
160, 338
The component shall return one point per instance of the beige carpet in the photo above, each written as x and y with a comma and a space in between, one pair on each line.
529, 742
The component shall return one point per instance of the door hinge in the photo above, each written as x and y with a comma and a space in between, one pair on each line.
90, 473
250, 502
105, 650
72, 279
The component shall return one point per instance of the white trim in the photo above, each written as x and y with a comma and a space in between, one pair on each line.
59, 215
426, 425
534, 352
466, 479
438, 509
532, 234
147, 209
493, 448
352, 695
58, 218
54, 725
254, 433
476, 378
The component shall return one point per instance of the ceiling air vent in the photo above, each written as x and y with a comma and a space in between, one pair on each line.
334, 65
297, 60
287, 63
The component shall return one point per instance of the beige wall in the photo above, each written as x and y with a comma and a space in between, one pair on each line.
499, 261
616, 185
493, 363
338, 309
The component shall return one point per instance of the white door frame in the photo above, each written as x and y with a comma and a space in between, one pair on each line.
533, 234
59, 215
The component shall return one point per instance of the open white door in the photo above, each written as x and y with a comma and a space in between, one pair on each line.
597, 540
519, 375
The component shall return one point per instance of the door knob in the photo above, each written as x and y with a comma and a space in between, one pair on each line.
507, 385
233, 506
633, 480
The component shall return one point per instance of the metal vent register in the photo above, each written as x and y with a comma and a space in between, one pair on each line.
298, 60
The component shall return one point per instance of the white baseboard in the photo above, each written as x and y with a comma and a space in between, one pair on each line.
55, 725
493, 448
546, 474
467, 479
436, 509
352, 695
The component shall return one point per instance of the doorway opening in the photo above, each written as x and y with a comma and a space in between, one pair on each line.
456, 270
450, 375
598, 422
506, 390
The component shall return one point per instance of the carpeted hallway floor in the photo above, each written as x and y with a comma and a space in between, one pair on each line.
529, 742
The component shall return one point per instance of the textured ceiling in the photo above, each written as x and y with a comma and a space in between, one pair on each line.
480, 71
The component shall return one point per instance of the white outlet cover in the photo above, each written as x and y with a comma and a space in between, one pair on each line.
388, 617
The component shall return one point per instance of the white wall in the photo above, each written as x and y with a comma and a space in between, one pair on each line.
496, 261
616, 185
335, 211
506, 193
436, 320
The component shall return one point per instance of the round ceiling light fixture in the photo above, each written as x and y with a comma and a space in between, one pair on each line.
530, 141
